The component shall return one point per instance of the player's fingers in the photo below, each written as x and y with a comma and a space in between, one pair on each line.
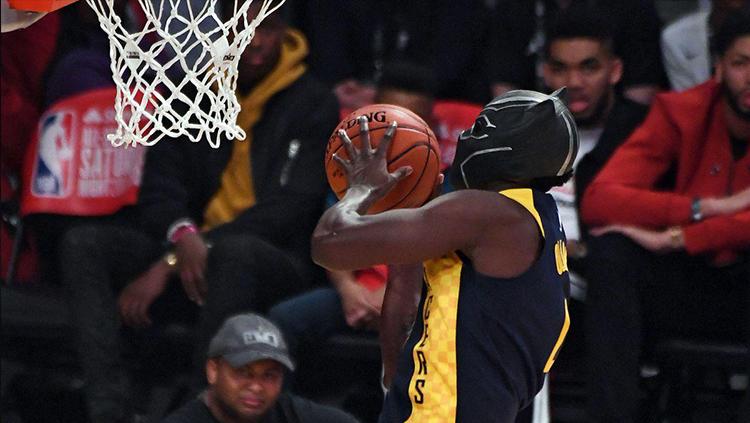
402, 172
343, 163
364, 134
387, 138
347, 142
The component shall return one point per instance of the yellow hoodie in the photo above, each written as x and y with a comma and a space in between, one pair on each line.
236, 193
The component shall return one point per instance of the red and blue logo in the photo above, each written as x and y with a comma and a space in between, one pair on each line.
54, 167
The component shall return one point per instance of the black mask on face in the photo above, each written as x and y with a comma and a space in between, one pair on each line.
517, 137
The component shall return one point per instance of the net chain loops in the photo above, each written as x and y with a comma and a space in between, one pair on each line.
154, 66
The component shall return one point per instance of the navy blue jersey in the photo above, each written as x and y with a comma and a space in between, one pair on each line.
481, 345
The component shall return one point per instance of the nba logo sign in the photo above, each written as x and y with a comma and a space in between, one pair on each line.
53, 170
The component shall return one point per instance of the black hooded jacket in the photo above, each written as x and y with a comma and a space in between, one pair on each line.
287, 154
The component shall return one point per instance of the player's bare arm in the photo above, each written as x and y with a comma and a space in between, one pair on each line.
461, 220
400, 303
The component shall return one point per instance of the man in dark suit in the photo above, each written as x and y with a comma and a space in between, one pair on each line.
522, 26
579, 55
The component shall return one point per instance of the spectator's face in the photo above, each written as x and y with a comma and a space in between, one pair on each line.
733, 72
417, 103
590, 72
247, 392
263, 53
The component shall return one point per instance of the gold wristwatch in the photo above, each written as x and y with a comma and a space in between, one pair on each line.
170, 258
676, 237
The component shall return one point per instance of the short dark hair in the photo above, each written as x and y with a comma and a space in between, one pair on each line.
408, 76
579, 21
736, 25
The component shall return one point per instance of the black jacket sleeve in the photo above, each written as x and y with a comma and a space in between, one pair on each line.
163, 196
293, 195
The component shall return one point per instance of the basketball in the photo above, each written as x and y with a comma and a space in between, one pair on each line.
413, 144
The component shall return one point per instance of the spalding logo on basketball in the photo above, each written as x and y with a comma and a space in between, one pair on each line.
413, 145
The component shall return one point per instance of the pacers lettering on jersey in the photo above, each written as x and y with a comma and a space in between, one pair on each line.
561, 257
421, 380
432, 387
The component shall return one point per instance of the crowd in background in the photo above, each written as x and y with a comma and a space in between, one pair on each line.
657, 215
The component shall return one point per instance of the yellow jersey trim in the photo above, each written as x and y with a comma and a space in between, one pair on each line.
433, 389
525, 197
560, 340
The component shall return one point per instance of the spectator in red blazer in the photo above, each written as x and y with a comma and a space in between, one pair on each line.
672, 207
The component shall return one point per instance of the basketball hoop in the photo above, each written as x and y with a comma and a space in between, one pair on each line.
152, 71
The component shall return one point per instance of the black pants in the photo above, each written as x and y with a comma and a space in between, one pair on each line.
244, 273
635, 296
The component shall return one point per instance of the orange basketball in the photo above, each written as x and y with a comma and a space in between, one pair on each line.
413, 145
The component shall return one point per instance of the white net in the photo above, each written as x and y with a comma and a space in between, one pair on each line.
177, 75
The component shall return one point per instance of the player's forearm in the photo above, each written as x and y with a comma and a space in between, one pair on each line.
329, 238
399, 311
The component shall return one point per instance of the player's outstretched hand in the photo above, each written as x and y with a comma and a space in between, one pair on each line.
367, 167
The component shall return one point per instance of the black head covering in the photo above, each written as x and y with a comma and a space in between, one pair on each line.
518, 137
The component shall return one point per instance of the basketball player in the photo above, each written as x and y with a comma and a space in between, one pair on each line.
493, 313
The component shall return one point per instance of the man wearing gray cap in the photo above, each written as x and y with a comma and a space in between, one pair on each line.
245, 372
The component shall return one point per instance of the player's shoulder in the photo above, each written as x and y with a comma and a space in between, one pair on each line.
478, 205
504, 232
